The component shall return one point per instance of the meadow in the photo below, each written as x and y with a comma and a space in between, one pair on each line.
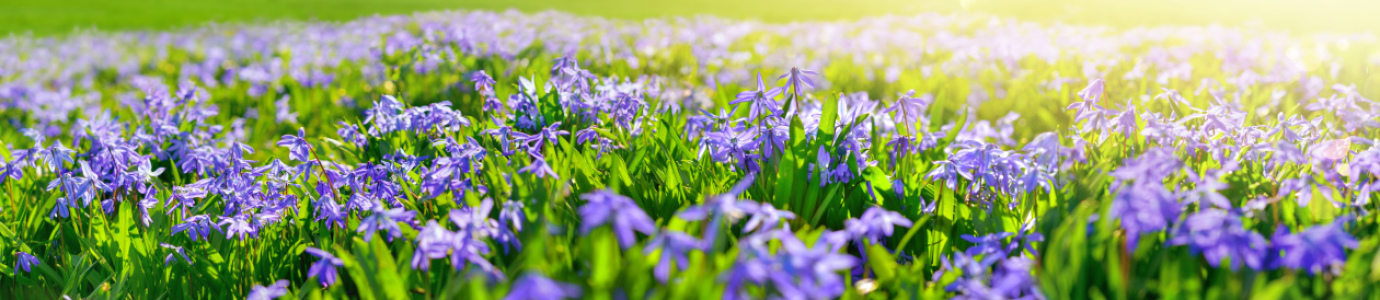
518, 155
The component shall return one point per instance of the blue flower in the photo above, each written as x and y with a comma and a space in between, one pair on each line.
24, 260
433, 242
674, 246
539, 168
766, 218
1321, 248
298, 149
881, 223
534, 286
1219, 235
324, 268
384, 220
277, 289
176, 251
797, 79
605, 207
510, 220
482, 81
909, 109
761, 102
197, 227
721, 206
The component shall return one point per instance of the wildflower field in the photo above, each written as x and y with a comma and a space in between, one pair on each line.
486, 155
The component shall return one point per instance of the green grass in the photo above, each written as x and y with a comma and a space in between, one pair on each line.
59, 17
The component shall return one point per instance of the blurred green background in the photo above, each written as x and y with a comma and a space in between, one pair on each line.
50, 17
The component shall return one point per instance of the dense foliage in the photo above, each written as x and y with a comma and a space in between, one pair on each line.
548, 156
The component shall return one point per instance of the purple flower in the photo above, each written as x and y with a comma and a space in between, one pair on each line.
1321, 248
539, 168
604, 206
821, 166
1219, 235
1093, 92
324, 268
987, 244
718, 207
384, 220
909, 109
797, 78
1089, 107
947, 172
1141, 200
510, 220
331, 212
674, 246
766, 218
534, 286
298, 149
798, 271
482, 81
176, 251
1173, 97
1125, 121
259, 292
433, 242
761, 101
283, 109
24, 260
197, 227
880, 223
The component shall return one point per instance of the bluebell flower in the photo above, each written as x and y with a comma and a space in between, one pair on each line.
433, 242
820, 168
329, 211
605, 207
805, 271
674, 246
176, 251
26, 261
761, 102
324, 268
725, 206
510, 220
1219, 235
987, 244
383, 219
909, 109
1206, 187
1321, 248
1172, 97
1125, 120
948, 173
197, 227
241, 225
766, 217
881, 223
298, 149
534, 286
539, 168
1140, 199
797, 79
482, 81
277, 289
284, 110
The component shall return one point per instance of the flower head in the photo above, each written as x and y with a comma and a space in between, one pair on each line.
277, 289
1317, 249
606, 207
24, 260
533, 286
324, 268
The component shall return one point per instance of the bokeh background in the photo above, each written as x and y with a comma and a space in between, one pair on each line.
48, 17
